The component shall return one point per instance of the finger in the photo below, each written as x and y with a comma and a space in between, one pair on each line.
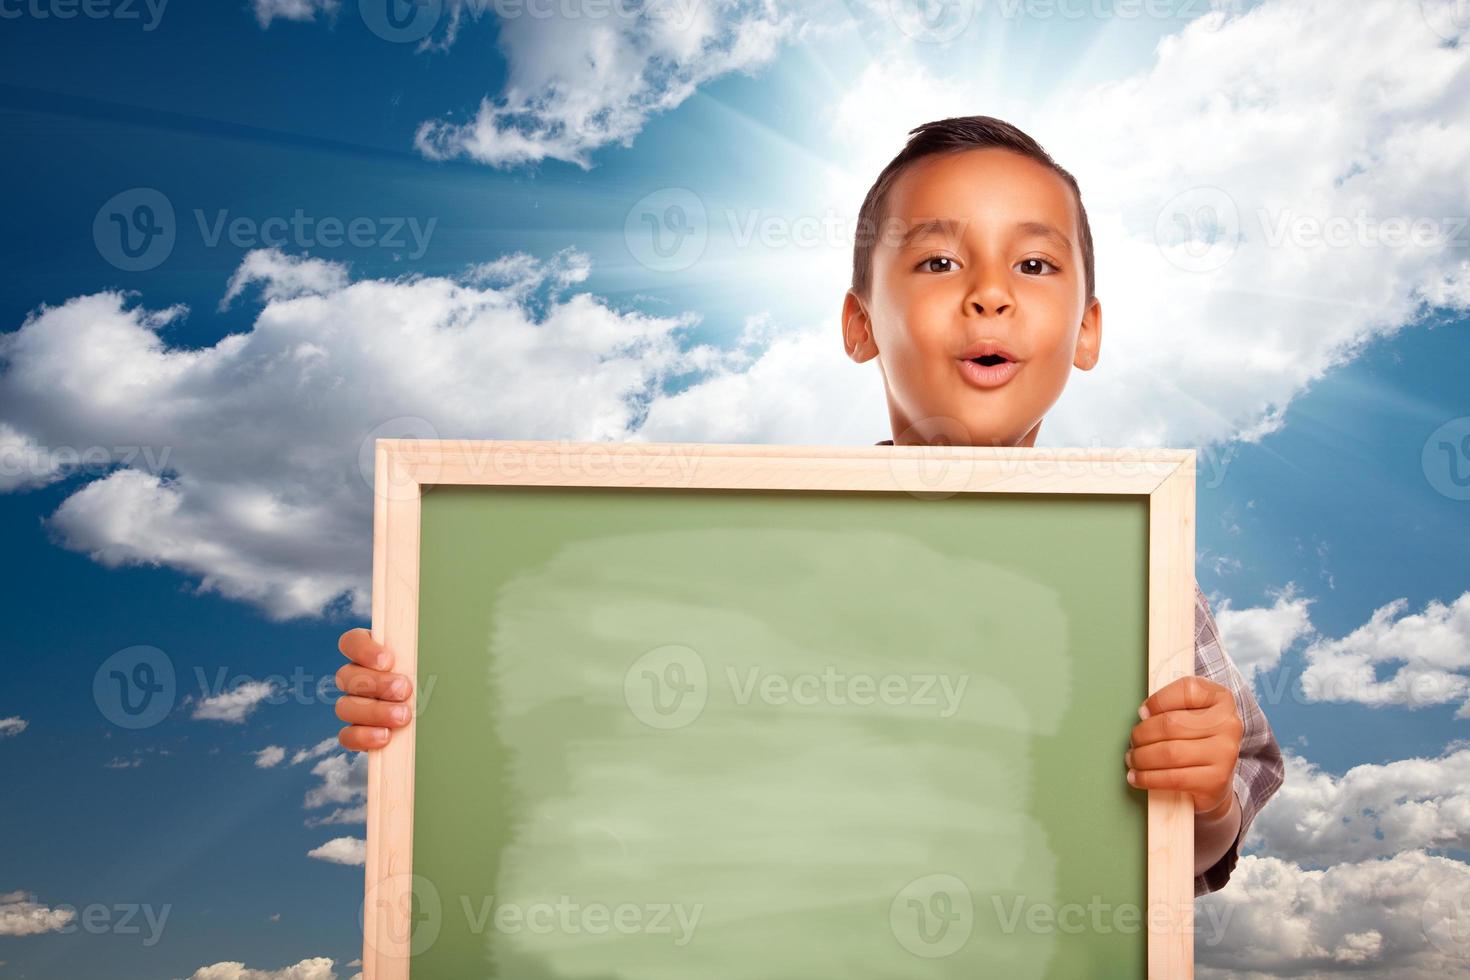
1188, 779
1182, 723
366, 711
1175, 753
359, 646
379, 684
359, 738
1185, 692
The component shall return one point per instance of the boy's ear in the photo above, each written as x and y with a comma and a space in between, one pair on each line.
857, 334
1089, 337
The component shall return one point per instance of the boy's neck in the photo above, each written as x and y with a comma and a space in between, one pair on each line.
917, 435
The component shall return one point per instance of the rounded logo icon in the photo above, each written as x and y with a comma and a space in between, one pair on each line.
135, 230
1445, 916
1199, 229
399, 485
932, 916
1450, 19
932, 21
408, 910
667, 687
667, 231
134, 688
938, 465
401, 21
1446, 458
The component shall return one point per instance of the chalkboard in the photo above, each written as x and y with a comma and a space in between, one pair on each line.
692, 710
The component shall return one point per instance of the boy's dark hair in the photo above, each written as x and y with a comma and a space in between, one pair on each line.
948, 136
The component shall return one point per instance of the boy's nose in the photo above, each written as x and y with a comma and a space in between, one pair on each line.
990, 294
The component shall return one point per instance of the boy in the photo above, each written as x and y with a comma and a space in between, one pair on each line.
973, 285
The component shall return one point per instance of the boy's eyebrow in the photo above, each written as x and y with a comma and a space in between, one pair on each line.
1044, 230
948, 227
951, 228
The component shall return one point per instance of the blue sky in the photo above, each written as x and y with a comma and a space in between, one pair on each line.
1316, 380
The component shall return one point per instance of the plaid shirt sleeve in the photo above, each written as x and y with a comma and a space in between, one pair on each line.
1259, 769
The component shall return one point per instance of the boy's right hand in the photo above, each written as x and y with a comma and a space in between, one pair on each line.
374, 701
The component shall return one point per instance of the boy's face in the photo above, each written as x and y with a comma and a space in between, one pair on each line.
993, 275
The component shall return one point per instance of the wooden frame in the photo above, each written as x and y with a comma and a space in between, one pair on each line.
405, 467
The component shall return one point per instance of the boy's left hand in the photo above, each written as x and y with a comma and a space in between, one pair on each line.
1188, 740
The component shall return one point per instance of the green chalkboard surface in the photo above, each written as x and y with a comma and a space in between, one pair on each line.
669, 734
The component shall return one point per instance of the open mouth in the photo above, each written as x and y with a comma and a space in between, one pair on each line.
988, 370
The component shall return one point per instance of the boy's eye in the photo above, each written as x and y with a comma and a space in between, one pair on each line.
928, 264
1029, 266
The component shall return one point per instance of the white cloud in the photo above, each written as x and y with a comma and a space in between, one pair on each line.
314, 752
520, 274
1371, 811
341, 850
343, 780
283, 277
575, 83
1391, 919
892, 95
341, 815
217, 498
577, 80
1257, 637
236, 704
790, 386
297, 10
343, 785
316, 968
1431, 649
269, 756
1370, 112
13, 725
24, 463
22, 915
